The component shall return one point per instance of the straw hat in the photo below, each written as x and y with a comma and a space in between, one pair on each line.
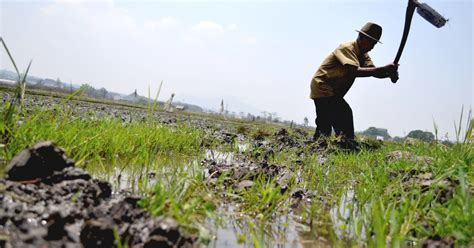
372, 31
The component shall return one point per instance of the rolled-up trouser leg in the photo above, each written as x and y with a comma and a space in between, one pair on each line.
343, 121
324, 117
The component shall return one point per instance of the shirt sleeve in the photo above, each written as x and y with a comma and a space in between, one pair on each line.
346, 56
368, 61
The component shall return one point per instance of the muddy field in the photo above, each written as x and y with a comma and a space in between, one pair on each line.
48, 201
248, 184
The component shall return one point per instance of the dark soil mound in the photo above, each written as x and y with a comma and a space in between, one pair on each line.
47, 202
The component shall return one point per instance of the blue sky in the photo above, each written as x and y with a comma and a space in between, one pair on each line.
256, 55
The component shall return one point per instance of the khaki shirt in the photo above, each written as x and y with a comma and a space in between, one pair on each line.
332, 77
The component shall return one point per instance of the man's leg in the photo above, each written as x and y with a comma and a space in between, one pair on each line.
344, 122
323, 117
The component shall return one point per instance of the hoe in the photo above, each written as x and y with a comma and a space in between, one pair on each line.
427, 13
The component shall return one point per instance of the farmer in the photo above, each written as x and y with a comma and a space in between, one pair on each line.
335, 77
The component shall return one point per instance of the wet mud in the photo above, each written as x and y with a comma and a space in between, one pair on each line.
46, 201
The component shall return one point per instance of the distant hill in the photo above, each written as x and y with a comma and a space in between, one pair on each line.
8, 77
30, 80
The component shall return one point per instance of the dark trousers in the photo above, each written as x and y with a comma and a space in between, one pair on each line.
333, 112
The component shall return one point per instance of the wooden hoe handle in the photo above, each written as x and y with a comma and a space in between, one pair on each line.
408, 16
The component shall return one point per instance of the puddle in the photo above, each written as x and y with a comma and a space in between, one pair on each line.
242, 147
220, 157
239, 231
137, 178
128, 181
226, 157
340, 215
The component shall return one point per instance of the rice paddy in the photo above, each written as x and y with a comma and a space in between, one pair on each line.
241, 183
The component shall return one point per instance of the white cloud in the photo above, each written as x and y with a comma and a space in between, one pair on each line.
204, 34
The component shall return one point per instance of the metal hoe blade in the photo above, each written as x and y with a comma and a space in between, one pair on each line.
429, 14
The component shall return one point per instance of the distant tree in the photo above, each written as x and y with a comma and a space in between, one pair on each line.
374, 132
58, 83
250, 116
306, 122
222, 107
88, 90
103, 92
269, 117
398, 139
421, 135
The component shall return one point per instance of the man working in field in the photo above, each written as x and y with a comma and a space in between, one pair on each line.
335, 77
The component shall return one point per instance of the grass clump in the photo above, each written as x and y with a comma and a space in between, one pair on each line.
399, 201
104, 140
260, 134
182, 194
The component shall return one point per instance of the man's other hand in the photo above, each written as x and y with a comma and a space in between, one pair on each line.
394, 77
392, 71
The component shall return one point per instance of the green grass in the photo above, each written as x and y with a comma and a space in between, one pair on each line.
390, 211
105, 140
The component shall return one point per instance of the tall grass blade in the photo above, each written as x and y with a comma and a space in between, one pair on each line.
149, 100
22, 86
459, 127
155, 106
469, 127
11, 58
435, 129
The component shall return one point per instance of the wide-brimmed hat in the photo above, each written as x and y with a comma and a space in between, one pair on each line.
372, 31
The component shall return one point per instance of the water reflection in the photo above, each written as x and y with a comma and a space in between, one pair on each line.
231, 228
135, 179
226, 157
340, 215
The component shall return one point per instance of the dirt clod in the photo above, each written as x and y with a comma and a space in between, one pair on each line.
38, 162
65, 207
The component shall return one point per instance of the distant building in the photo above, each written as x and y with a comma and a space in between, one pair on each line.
6, 81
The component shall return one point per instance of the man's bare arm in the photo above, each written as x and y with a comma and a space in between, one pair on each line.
378, 72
